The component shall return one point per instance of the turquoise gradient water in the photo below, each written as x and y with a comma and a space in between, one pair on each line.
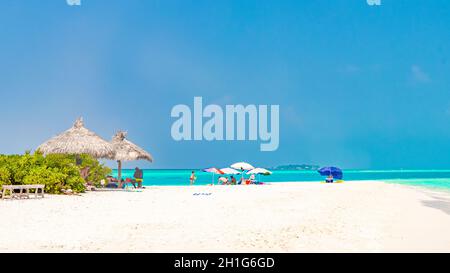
427, 178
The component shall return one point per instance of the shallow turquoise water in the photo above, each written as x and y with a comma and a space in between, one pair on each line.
434, 183
427, 178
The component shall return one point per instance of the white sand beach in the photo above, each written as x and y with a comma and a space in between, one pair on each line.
282, 217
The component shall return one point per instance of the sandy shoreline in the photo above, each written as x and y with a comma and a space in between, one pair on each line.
282, 217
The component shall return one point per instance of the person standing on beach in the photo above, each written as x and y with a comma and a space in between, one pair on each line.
242, 180
233, 180
329, 179
138, 177
193, 178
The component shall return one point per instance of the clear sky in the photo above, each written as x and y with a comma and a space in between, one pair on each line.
358, 86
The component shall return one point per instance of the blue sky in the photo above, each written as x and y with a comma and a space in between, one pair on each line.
358, 86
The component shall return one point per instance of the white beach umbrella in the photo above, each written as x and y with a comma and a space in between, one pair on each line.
242, 166
260, 171
229, 171
213, 171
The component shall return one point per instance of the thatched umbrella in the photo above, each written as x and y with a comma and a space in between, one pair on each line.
126, 150
78, 140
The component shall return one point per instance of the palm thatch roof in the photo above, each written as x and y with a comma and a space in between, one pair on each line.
127, 150
78, 140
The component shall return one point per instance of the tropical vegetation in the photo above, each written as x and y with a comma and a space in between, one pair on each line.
58, 172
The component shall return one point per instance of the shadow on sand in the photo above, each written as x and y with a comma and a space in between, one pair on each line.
438, 202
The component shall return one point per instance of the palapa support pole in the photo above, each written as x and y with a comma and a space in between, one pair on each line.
119, 171
78, 160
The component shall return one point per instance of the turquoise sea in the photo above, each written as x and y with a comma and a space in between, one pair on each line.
428, 178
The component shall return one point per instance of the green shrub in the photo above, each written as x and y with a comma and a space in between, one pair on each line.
97, 171
53, 179
75, 183
56, 172
67, 163
4, 176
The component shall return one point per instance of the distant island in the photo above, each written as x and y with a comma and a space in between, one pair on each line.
298, 167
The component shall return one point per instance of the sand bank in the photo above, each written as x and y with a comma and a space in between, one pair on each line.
282, 217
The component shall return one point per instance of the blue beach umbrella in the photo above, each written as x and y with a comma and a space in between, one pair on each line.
334, 171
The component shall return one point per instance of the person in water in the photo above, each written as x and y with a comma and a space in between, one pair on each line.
192, 178
329, 179
138, 177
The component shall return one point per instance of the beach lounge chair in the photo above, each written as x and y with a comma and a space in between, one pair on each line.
22, 191
129, 181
